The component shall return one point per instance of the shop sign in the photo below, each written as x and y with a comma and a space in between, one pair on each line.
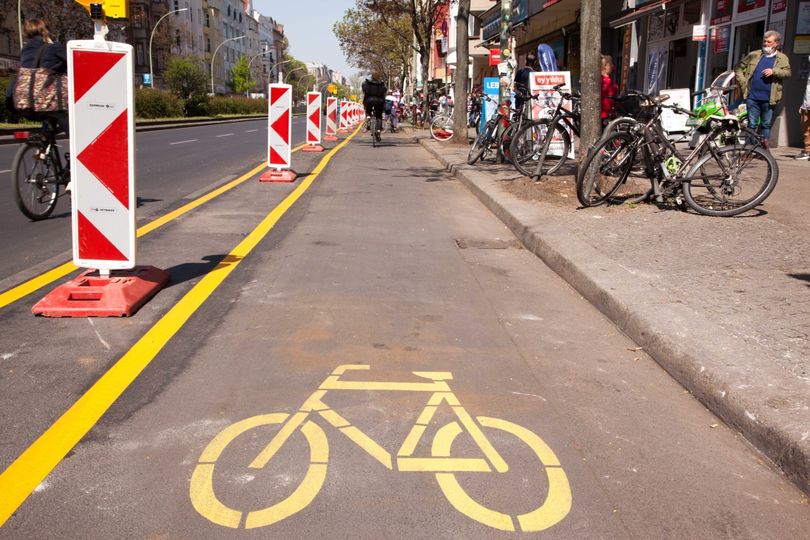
494, 57
699, 32
543, 83
778, 6
749, 5
491, 25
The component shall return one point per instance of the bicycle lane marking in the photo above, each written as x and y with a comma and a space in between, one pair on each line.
553, 509
43, 455
27, 287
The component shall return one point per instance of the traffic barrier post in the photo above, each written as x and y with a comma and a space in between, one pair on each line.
279, 134
102, 170
331, 119
313, 123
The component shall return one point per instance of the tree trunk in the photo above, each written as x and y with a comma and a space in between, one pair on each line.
460, 78
591, 78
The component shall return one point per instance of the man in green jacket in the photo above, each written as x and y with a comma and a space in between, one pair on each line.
759, 75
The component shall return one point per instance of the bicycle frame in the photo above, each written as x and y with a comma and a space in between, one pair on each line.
561, 116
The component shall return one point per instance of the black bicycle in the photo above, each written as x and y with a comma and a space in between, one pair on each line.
38, 175
542, 146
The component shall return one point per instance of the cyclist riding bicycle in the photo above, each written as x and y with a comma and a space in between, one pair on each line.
374, 92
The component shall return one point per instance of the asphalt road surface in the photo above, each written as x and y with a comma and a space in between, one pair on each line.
364, 353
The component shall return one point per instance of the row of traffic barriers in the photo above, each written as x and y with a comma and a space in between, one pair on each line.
102, 152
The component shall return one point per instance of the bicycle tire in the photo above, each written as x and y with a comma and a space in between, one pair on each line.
203, 495
481, 143
610, 160
622, 123
554, 507
708, 190
34, 182
505, 142
528, 143
441, 128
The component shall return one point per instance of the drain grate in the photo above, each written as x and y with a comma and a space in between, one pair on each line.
473, 243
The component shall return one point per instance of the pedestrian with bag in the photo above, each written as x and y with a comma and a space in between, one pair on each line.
760, 75
804, 114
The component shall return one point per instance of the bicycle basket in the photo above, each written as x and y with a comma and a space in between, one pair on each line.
635, 106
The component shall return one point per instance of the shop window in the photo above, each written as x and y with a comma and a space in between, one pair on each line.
691, 12
655, 26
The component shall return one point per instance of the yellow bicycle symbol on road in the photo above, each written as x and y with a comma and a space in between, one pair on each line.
551, 511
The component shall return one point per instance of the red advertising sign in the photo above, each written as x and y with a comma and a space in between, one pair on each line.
778, 6
494, 57
722, 12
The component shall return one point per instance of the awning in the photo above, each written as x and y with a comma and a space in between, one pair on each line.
633, 16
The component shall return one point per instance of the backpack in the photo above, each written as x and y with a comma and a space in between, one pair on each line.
39, 89
375, 89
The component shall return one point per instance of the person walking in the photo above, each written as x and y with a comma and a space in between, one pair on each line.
759, 75
804, 114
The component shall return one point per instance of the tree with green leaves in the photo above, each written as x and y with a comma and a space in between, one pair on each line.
370, 44
65, 19
241, 80
422, 15
188, 80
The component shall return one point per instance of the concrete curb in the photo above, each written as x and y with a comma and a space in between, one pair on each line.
769, 408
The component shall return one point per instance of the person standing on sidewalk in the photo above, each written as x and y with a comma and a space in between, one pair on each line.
609, 88
759, 75
804, 114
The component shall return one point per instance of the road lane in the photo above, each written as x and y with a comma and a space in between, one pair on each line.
389, 262
165, 174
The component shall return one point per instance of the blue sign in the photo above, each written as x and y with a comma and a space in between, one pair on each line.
492, 88
147, 78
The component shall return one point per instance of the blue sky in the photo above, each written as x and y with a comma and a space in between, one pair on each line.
308, 26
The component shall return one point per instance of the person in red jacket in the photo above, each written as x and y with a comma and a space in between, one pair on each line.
609, 88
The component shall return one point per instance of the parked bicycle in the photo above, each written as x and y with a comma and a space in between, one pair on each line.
441, 128
38, 175
542, 146
499, 130
714, 179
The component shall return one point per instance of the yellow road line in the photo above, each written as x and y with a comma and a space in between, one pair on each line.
33, 284
38, 460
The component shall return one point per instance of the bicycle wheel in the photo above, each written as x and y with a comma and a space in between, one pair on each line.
605, 168
554, 506
737, 180
481, 143
441, 128
208, 505
623, 123
505, 142
34, 182
527, 147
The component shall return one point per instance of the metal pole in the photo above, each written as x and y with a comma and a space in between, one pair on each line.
151, 36
506, 20
19, 21
213, 57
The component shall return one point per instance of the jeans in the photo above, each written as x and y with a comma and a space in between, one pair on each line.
760, 112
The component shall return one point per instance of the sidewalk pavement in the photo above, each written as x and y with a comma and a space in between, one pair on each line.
723, 304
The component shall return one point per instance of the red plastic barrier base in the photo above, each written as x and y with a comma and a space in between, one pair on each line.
90, 295
279, 175
312, 148
330, 138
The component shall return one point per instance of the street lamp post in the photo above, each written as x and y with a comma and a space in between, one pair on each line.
213, 57
276, 65
254, 57
151, 36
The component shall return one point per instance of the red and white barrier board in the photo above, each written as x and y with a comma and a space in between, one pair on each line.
313, 123
279, 134
280, 126
102, 159
102, 149
344, 117
331, 119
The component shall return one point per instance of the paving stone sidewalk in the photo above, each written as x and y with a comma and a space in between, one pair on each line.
723, 304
